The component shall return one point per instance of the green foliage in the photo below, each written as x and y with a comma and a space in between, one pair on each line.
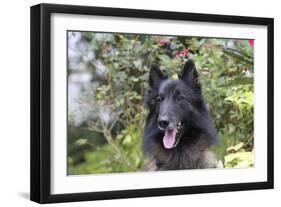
238, 157
108, 158
114, 97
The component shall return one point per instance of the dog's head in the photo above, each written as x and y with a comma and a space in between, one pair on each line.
178, 104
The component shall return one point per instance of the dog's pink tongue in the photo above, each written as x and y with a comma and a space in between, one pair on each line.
169, 138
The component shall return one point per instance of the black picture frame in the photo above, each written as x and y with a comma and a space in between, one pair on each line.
41, 102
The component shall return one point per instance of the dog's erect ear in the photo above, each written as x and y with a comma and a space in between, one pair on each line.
155, 76
190, 74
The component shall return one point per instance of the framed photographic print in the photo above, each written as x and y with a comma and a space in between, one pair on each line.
132, 103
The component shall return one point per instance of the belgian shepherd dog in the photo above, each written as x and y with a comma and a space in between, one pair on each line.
179, 130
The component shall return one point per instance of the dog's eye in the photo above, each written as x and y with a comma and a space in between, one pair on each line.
179, 98
158, 99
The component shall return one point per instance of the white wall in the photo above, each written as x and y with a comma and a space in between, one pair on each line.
14, 93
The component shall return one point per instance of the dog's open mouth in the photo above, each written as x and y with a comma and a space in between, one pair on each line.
172, 136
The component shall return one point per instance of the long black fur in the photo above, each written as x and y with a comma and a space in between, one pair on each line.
192, 150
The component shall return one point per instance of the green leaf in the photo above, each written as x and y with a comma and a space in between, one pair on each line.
233, 159
127, 140
231, 128
81, 142
238, 54
164, 58
239, 81
175, 76
236, 147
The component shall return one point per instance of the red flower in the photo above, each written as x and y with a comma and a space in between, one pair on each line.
251, 42
163, 42
182, 53
185, 52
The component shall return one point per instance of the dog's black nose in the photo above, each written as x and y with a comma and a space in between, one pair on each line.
163, 124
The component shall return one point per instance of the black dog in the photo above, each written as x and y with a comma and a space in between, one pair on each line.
179, 130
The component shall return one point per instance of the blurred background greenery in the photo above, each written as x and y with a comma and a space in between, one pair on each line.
107, 80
